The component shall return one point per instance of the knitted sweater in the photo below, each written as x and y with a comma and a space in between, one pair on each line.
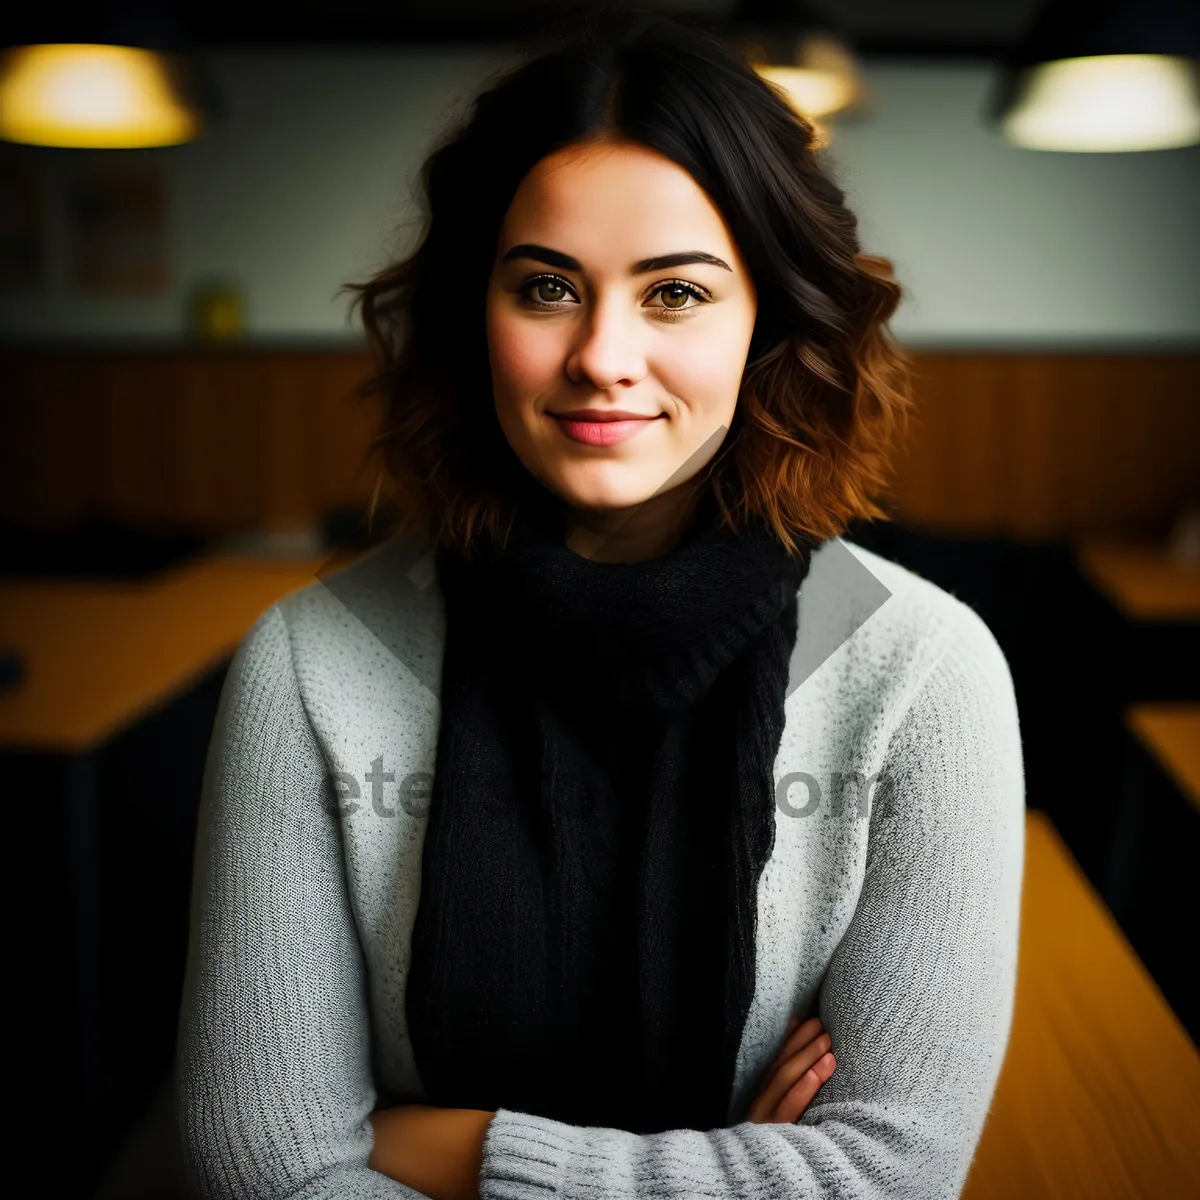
889, 905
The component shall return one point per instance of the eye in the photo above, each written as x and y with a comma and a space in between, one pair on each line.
675, 296
546, 292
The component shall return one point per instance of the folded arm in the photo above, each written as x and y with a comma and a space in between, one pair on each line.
917, 997
273, 1080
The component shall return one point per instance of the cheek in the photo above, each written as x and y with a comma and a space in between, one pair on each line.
522, 357
706, 368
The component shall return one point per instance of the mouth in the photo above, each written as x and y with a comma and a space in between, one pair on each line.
604, 427
605, 415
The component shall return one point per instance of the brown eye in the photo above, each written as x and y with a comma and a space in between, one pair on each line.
545, 291
675, 295
550, 290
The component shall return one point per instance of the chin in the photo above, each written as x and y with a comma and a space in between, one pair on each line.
602, 489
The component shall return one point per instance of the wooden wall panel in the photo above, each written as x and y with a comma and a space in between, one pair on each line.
211, 440
1028, 444
1044, 445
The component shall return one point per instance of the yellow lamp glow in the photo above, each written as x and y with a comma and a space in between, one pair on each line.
105, 97
1107, 103
813, 93
821, 78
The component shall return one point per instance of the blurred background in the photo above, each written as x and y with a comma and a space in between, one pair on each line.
183, 190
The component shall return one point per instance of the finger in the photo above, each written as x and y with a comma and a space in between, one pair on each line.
787, 1073
802, 1033
800, 1036
783, 1074
802, 1093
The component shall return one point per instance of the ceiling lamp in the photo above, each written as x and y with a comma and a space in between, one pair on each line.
115, 82
1103, 77
802, 53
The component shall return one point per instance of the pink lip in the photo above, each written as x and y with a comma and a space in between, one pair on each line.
606, 430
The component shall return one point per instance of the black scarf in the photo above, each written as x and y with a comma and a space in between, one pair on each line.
602, 808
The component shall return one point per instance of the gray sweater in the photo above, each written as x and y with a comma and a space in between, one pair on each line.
889, 905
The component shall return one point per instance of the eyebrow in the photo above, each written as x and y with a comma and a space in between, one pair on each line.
662, 262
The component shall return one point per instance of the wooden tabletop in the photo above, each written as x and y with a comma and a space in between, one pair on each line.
1142, 581
98, 655
1171, 732
1099, 1095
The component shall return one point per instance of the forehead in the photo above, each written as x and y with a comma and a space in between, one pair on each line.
613, 204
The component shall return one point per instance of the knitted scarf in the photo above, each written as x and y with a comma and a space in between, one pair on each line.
601, 811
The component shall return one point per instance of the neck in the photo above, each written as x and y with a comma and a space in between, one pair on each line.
646, 531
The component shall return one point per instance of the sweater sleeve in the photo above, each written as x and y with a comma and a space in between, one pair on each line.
917, 997
273, 1084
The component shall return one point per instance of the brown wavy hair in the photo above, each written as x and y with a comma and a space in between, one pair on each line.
825, 388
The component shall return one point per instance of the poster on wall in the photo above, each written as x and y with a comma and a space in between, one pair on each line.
117, 234
22, 240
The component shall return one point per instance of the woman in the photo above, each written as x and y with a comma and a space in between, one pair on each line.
526, 864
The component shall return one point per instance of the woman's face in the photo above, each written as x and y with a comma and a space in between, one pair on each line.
616, 286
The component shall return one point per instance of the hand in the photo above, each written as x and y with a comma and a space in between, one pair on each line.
801, 1066
437, 1151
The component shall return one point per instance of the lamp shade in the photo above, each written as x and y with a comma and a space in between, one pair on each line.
818, 72
1103, 77
103, 82
804, 55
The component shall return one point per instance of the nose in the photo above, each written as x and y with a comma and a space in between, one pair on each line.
608, 352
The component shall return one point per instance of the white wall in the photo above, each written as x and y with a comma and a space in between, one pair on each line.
306, 185
999, 245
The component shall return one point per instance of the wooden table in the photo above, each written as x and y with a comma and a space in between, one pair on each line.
1141, 581
1099, 1095
102, 739
1171, 732
1136, 632
1150, 886
99, 655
